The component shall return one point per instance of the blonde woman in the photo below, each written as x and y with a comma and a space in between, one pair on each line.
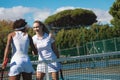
46, 50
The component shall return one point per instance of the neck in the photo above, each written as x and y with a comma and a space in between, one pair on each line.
39, 34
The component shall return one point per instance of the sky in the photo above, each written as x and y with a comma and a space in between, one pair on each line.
31, 10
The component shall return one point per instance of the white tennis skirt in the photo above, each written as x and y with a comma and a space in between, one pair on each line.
20, 65
51, 67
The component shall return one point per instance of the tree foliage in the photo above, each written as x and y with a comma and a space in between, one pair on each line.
80, 36
115, 12
5, 28
71, 18
67, 38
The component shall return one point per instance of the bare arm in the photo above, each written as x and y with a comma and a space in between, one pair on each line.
35, 52
7, 49
55, 49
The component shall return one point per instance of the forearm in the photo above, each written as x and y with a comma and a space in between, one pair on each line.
34, 49
34, 52
54, 48
6, 53
33, 46
8, 47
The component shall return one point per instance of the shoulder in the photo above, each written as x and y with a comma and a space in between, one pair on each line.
12, 34
34, 37
51, 35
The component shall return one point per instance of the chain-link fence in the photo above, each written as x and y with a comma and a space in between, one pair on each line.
102, 46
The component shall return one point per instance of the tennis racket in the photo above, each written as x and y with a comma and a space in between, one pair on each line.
61, 74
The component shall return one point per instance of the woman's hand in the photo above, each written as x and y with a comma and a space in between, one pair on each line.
4, 64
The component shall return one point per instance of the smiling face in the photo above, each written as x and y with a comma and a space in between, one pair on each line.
37, 27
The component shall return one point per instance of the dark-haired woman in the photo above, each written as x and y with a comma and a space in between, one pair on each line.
20, 62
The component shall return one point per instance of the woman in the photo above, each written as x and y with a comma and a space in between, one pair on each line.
47, 50
20, 63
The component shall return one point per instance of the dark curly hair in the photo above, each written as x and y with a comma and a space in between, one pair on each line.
19, 23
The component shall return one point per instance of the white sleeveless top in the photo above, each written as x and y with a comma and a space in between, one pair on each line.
20, 61
20, 44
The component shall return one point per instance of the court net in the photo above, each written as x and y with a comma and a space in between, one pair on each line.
104, 66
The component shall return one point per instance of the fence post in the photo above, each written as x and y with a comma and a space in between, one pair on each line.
78, 52
115, 44
104, 50
59, 50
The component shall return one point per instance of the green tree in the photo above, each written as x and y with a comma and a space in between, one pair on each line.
115, 12
71, 18
5, 28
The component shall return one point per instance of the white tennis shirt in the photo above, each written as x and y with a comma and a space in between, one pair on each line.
44, 47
